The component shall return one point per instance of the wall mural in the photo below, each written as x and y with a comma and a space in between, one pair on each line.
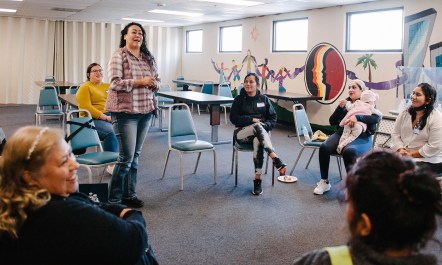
325, 72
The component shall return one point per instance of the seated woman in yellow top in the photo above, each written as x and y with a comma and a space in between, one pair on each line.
92, 96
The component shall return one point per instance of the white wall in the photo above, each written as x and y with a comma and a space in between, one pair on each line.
27, 52
325, 25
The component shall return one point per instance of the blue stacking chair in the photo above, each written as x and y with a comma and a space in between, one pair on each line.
224, 90
206, 89
163, 105
48, 105
179, 86
301, 119
81, 134
181, 126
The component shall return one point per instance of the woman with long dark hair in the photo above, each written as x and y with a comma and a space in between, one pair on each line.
133, 76
418, 129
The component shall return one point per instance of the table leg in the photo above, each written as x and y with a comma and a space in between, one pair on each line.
215, 112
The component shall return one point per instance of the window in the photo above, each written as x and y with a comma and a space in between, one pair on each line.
372, 31
194, 41
230, 39
284, 32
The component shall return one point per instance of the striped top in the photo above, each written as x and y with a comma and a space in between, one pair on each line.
123, 69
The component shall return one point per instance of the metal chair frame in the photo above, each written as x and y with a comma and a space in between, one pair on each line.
300, 117
181, 125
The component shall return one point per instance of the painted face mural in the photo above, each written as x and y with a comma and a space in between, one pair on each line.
325, 73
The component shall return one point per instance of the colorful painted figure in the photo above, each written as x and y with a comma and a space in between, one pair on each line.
280, 77
248, 59
264, 72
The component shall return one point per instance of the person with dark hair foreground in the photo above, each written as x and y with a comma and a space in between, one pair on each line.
43, 220
392, 212
253, 116
418, 129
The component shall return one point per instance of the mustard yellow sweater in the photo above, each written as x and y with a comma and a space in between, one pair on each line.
92, 97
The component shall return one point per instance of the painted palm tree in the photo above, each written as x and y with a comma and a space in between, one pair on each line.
366, 60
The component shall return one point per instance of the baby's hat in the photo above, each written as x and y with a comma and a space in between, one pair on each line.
369, 96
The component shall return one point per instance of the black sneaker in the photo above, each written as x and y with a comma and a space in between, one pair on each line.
279, 165
257, 187
133, 202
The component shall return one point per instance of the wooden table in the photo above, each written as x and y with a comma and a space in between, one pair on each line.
63, 85
69, 99
196, 83
199, 98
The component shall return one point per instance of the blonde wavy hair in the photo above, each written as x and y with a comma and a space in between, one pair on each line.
25, 150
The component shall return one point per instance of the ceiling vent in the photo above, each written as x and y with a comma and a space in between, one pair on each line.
62, 9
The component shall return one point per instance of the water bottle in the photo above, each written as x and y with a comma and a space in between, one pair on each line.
305, 133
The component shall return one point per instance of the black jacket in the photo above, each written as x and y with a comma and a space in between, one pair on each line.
245, 108
73, 230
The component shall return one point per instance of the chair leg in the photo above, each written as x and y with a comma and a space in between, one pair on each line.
215, 177
236, 168
296, 162
267, 164
273, 176
181, 172
233, 160
165, 163
198, 107
339, 166
197, 162
310, 159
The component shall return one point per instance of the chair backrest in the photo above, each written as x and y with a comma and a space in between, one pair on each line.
224, 90
86, 136
382, 136
163, 100
207, 87
179, 78
300, 117
181, 122
48, 97
240, 87
72, 89
50, 79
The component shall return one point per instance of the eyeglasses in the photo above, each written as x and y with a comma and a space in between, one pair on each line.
354, 87
97, 71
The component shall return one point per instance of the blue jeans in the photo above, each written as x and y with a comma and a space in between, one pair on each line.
107, 135
131, 130
350, 153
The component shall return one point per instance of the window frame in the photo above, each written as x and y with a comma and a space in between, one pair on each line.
347, 31
187, 40
220, 38
274, 50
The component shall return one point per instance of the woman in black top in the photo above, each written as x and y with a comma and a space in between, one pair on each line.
254, 116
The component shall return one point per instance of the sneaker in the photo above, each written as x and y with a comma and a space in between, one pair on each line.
133, 202
110, 169
279, 165
257, 187
322, 186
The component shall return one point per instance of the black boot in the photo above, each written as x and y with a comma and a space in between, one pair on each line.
279, 165
257, 187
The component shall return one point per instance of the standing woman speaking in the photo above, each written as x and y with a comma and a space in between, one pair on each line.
133, 76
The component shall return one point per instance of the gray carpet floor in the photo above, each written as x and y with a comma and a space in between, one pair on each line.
224, 224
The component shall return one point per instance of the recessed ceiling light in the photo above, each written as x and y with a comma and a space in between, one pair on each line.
142, 20
179, 13
6, 10
234, 2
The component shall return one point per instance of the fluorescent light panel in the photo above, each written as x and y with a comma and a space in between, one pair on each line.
142, 20
7, 10
179, 13
234, 2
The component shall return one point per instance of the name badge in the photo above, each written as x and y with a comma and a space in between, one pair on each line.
260, 104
